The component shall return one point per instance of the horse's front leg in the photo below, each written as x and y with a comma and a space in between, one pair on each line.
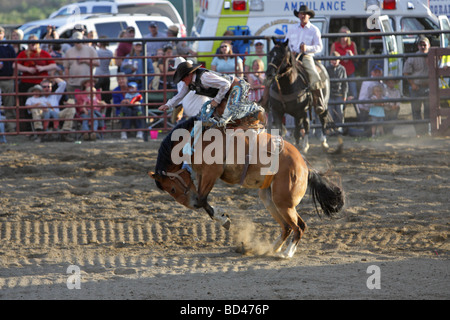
205, 185
223, 218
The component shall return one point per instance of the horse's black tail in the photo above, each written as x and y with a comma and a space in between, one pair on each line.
329, 195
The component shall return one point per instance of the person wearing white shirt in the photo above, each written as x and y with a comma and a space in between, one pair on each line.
191, 101
53, 101
305, 39
215, 86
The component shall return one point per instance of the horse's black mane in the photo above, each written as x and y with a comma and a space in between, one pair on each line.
290, 58
164, 153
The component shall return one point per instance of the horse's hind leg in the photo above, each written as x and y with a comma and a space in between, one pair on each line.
297, 225
266, 197
297, 133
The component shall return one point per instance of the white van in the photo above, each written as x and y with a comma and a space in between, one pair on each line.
269, 18
156, 7
111, 25
85, 7
106, 25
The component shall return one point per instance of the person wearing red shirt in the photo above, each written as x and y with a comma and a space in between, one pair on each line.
124, 48
34, 63
346, 47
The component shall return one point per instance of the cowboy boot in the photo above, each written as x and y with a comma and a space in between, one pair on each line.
318, 101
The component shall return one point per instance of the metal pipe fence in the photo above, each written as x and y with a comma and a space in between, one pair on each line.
153, 98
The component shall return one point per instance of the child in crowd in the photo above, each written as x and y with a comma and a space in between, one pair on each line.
393, 108
39, 110
256, 80
338, 89
134, 98
85, 111
376, 111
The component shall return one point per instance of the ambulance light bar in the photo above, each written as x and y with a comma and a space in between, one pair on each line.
239, 5
382, 4
389, 4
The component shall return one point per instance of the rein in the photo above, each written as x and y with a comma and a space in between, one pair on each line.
176, 175
278, 76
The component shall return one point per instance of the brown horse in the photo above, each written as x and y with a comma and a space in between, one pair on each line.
281, 186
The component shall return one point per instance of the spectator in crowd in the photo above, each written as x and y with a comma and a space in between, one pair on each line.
53, 101
17, 34
228, 33
366, 92
227, 64
256, 80
338, 89
56, 52
131, 107
119, 92
166, 67
260, 54
51, 34
6, 80
391, 109
35, 65
39, 108
346, 47
180, 48
376, 111
93, 36
157, 78
134, 66
81, 61
125, 47
103, 72
419, 88
153, 46
86, 99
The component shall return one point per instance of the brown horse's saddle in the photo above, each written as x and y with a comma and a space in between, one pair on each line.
274, 146
254, 119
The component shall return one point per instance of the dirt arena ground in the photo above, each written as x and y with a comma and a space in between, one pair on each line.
92, 207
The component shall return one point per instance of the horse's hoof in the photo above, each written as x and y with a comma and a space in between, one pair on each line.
306, 148
281, 255
227, 224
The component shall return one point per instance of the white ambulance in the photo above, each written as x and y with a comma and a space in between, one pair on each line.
272, 17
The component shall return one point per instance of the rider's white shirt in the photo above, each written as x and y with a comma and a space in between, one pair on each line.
309, 35
209, 80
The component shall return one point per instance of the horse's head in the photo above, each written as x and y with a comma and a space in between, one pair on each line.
178, 184
277, 58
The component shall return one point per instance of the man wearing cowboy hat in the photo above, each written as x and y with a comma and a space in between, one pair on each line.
191, 102
305, 39
200, 80
216, 86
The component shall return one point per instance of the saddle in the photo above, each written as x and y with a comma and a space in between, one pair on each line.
255, 120
304, 75
301, 96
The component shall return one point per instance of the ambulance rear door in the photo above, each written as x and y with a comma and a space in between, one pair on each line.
391, 66
444, 25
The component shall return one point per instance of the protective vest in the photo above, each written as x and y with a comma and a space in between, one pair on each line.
198, 87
